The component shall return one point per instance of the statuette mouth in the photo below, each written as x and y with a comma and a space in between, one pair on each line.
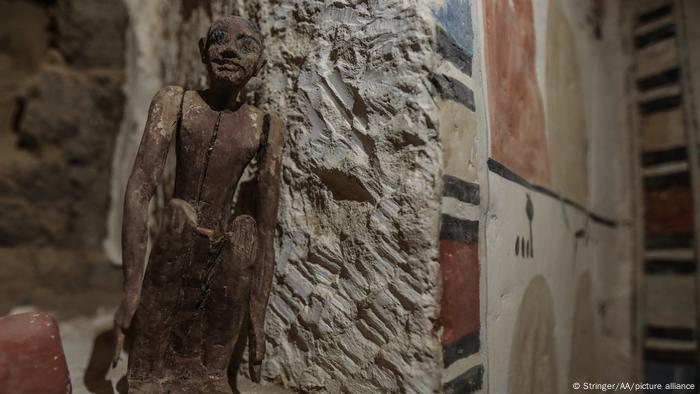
226, 62
228, 65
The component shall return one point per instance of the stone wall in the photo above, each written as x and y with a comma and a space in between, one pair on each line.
360, 207
61, 70
355, 294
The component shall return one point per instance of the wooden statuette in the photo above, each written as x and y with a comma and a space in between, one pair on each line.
207, 283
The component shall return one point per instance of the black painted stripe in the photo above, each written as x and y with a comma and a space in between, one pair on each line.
454, 187
678, 333
671, 356
664, 156
469, 382
660, 104
675, 241
506, 173
464, 347
660, 34
602, 220
455, 229
661, 266
503, 171
667, 180
449, 88
452, 52
664, 78
655, 14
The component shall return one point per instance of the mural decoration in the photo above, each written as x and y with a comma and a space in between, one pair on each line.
582, 364
533, 361
516, 112
525, 247
670, 258
539, 155
455, 34
459, 234
595, 17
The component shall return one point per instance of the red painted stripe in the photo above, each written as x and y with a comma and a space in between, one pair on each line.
459, 274
668, 211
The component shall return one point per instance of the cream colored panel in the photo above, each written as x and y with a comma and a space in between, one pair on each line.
670, 300
656, 58
662, 130
459, 143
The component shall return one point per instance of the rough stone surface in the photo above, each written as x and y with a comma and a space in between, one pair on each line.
355, 295
143, 78
357, 260
91, 33
60, 111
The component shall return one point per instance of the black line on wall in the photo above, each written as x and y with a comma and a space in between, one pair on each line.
656, 13
664, 156
654, 36
678, 333
688, 357
602, 220
454, 187
449, 88
469, 382
452, 52
503, 171
664, 78
455, 229
660, 104
667, 180
661, 266
506, 173
464, 347
675, 241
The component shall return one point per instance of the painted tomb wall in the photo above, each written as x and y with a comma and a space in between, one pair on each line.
557, 259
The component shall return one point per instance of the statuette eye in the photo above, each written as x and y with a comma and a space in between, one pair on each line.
247, 44
218, 37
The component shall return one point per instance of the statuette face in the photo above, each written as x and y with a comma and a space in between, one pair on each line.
232, 51
202, 297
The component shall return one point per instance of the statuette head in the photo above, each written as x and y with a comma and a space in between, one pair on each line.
232, 51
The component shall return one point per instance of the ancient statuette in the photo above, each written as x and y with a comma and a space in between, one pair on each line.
208, 278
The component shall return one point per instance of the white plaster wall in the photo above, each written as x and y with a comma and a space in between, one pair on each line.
143, 79
483, 144
559, 257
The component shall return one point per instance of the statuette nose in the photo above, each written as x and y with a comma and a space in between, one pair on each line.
229, 54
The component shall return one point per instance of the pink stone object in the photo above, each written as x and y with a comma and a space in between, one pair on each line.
31, 356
